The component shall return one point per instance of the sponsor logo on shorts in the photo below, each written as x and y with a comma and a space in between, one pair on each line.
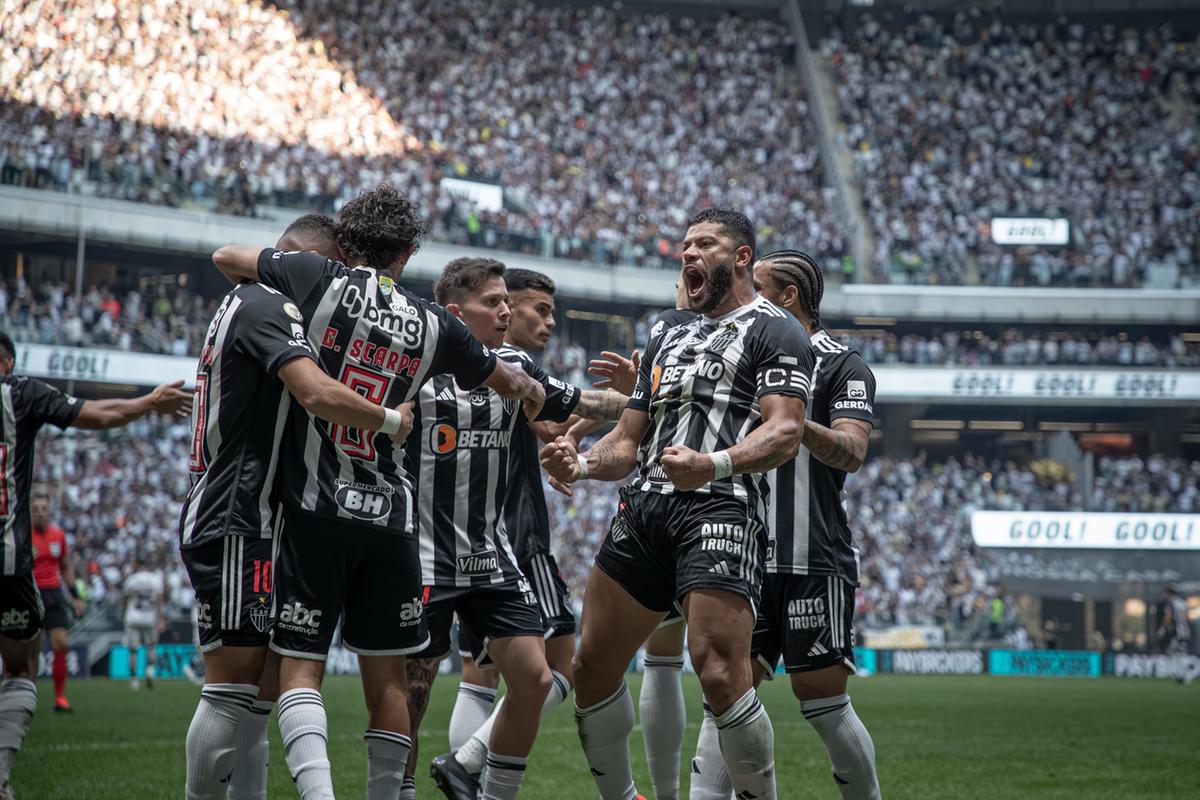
475, 564
722, 537
362, 503
14, 618
295, 617
410, 613
204, 615
526, 590
806, 614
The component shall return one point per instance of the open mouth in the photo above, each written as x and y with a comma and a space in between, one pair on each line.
502, 328
693, 281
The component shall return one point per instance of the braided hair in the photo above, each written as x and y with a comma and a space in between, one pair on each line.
800, 270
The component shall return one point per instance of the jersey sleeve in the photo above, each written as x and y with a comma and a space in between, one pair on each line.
299, 275
271, 331
459, 353
561, 397
851, 393
783, 359
51, 405
644, 389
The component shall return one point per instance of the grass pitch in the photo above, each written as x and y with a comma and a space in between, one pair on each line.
965, 737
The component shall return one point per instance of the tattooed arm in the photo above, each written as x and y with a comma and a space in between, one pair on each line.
595, 408
774, 442
610, 459
844, 446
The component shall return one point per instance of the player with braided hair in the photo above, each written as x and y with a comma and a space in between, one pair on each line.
807, 608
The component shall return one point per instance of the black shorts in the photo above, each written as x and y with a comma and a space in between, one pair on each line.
662, 546
808, 619
488, 612
326, 569
554, 598
232, 577
21, 610
58, 612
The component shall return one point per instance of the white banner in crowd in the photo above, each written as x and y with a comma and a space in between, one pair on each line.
1082, 530
1030, 230
102, 366
1020, 385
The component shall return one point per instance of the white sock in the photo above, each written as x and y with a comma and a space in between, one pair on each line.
851, 751
664, 720
748, 746
408, 789
503, 778
212, 738
249, 781
387, 756
473, 753
18, 701
710, 778
472, 707
604, 733
304, 728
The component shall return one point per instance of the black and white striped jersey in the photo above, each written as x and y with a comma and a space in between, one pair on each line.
25, 406
809, 532
700, 383
460, 456
239, 408
525, 514
384, 342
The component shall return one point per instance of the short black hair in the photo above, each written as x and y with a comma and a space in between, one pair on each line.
735, 223
802, 271
520, 280
464, 275
380, 226
312, 226
6, 343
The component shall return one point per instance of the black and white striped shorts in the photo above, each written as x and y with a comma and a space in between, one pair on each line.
554, 597
232, 577
808, 619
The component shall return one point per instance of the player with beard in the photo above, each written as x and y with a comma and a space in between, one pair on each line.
531, 300
719, 402
348, 547
807, 606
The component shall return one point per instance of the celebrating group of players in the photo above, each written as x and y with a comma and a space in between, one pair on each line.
365, 458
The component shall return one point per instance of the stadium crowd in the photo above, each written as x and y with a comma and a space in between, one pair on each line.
166, 102
956, 120
169, 319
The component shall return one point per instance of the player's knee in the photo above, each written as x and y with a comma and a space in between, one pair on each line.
721, 682
531, 686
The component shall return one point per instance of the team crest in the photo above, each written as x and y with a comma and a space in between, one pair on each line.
386, 284
260, 617
722, 341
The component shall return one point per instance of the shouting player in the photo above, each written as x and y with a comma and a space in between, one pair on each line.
55, 575
25, 406
719, 401
348, 546
256, 361
807, 608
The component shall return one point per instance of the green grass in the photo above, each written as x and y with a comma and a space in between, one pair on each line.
935, 738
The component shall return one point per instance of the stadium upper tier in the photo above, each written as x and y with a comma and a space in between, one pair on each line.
603, 130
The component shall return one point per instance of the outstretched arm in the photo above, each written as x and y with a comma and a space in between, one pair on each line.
168, 398
514, 383
334, 402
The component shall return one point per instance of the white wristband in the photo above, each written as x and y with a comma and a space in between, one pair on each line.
583, 467
722, 464
391, 421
